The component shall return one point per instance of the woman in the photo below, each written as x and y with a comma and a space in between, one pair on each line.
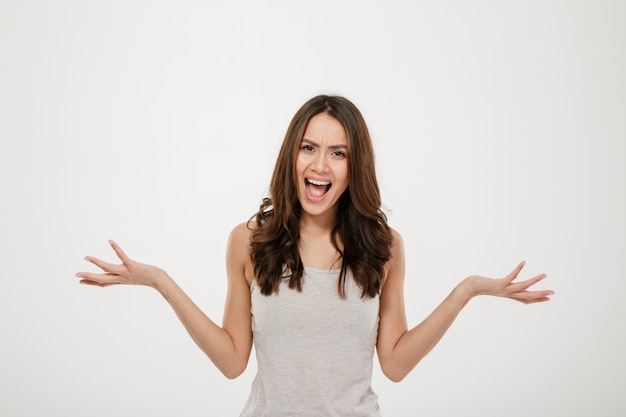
315, 279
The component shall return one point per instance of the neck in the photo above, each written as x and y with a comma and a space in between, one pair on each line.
316, 244
317, 225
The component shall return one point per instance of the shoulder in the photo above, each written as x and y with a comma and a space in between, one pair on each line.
394, 268
238, 251
398, 243
241, 232
239, 238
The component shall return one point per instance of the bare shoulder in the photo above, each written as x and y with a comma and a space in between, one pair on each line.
241, 233
395, 266
397, 247
238, 252
397, 237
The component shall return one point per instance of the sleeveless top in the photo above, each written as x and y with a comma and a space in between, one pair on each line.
314, 350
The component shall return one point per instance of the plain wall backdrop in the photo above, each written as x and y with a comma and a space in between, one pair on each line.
500, 135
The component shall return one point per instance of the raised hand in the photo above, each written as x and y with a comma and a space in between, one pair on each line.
505, 287
128, 272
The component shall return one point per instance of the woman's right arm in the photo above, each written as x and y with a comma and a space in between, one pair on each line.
227, 346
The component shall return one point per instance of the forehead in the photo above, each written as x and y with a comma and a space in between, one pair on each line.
325, 128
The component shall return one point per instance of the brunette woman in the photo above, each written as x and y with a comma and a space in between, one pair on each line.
315, 279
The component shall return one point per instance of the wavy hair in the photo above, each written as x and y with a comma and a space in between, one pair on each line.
361, 224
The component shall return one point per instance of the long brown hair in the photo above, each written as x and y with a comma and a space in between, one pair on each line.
361, 225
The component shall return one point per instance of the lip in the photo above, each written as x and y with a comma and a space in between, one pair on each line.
319, 182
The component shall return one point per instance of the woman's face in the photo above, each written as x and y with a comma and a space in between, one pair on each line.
322, 166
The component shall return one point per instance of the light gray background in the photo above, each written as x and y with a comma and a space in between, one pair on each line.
500, 136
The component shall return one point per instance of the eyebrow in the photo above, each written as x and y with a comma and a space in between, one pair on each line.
310, 142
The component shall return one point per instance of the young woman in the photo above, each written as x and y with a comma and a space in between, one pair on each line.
315, 279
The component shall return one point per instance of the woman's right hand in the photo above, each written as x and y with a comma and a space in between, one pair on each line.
128, 272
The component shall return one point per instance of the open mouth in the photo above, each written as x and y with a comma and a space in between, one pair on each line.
317, 188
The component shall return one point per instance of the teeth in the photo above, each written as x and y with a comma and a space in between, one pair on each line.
316, 182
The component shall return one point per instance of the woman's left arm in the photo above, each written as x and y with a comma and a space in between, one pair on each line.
400, 349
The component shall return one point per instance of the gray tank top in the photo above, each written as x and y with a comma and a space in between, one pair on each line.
314, 350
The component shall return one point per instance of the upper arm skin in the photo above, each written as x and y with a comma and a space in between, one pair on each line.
393, 322
237, 319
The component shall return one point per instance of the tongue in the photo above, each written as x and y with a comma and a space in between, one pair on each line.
317, 190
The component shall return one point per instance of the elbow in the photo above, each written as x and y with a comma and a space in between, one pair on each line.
394, 373
231, 369
396, 370
231, 375
394, 376
232, 372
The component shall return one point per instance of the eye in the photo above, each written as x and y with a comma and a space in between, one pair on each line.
338, 154
308, 148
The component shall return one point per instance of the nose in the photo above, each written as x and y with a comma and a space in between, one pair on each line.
320, 164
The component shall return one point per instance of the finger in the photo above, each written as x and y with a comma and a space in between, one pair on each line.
119, 252
538, 300
535, 300
93, 283
523, 285
515, 272
105, 266
97, 279
528, 297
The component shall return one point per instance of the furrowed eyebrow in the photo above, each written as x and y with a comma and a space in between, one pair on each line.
313, 143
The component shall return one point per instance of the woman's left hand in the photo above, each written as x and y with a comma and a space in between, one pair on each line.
505, 287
